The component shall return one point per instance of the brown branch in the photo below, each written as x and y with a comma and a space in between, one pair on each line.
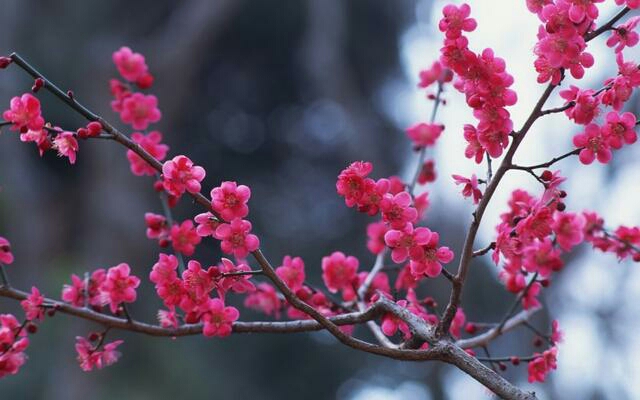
485, 250
549, 163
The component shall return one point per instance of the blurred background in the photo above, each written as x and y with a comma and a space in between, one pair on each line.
281, 96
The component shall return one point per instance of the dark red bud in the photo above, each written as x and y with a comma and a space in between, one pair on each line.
94, 128
51, 312
163, 242
93, 336
546, 175
470, 328
157, 186
636, 257
515, 360
70, 94
537, 341
545, 282
145, 81
563, 194
32, 328
83, 133
502, 366
561, 207
4, 62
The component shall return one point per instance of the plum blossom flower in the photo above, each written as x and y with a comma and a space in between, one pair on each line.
351, 182
594, 145
397, 210
33, 305
131, 66
218, 319
119, 286
569, 228
67, 145
292, 272
207, 224
585, 107
456, 20
265, 299
437, 73
12, 356
91, 357
428, 259
405, 241
470, 188
150, 143
457, 323
235, 238
424, 135
237, 283
624, 35
6, 257
140, 110
230, 200
619, 129
540, 366
375, 234
339, 272
180, 175
24, 113
184, 237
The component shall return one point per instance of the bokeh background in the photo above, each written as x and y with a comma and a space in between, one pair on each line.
281, 95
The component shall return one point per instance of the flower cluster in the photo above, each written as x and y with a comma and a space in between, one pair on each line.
191, 292
13, 344
6, 257
624, 241
151, 143
542, 364
96, 356
484, 81
596, 142
532, 236
136, 109
114, 287
561, 44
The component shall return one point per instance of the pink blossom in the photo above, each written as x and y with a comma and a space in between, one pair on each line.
198, 282
390, 323
581, 9
264, 299
372, 195
421, 202
339, 272
12, 357
40, 137
120, 286
428, 259
67, 145
535, 6
33, 305
397, 211
218, 319
151, 144
165, 270
6, 257
184, 237
168, 318
230, 200
180, 175
437, 73
457, 323
540, 366
351, 182
470, 188
405, 241
530, 299
24, 113
585, 107
456, 20
74, 293
594, 143
292, 272
427, 172
131, 66
424, 135
235, 238
632, 4
236, 284
91, 357
624, 35
375, 234
542, 257
568, 228
556, 334
474, 149
157, 226
535, 225
207, 224
406, 280
619, 129
140, 110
